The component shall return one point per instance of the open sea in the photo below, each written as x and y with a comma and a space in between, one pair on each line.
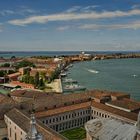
115, 74
55, 53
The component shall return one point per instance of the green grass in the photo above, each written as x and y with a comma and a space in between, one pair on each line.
75, 134
3, 91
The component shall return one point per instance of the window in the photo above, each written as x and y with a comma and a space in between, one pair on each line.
15, 136
10, 132
50, 120
46, 121
53, 119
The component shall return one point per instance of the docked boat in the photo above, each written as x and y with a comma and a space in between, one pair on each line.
63, 74
70, 81
73, 87
71, 65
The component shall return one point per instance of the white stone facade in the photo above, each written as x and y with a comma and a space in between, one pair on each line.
14, 131
68, 120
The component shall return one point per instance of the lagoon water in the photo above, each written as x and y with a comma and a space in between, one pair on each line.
115, 74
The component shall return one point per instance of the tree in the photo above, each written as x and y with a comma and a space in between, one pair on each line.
11, 71
18, 87
24, 63
31, 80
43, 75
41, 83
37, 79
2, 73
6, 65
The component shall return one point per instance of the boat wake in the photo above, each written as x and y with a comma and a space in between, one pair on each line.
93, 71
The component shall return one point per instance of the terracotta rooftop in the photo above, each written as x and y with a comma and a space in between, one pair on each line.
62, 109
2, 97
55, 100
22, 119
14, 74
28, 93
6, 104
126, 104
7, 68
129, 115
118, 94
45, 100
21, 84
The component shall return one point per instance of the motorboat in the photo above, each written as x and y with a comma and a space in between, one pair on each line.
63, 74
69, 81
74, 87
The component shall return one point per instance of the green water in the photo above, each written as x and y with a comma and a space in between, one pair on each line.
114, 75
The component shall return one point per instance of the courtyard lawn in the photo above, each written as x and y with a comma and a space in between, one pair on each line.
75, 134
3, 91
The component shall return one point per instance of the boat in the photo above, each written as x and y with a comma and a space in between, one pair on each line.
93, 71
69, 81
63, 74
134, 75
71, 65
73, 87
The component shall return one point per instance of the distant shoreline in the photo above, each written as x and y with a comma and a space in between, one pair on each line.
8, 54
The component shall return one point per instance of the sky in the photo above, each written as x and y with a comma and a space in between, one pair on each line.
69, 25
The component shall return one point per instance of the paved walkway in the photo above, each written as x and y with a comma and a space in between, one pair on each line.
56, 85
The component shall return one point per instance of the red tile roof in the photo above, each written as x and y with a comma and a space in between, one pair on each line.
117, 112
60, 110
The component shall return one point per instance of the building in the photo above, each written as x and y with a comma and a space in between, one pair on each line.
57, 112
23, 85
21, 127
14, 76
112, 129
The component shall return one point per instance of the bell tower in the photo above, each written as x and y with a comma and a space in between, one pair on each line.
33, 134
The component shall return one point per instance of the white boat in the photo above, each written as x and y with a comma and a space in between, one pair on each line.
71, 65
134, 75
63, 74
93, 71
73, 87
69, 81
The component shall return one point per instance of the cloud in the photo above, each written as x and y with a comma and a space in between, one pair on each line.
133, 25
73, 9
6, 12
73, 16
62, 28
19, 11
89, 8
136, 6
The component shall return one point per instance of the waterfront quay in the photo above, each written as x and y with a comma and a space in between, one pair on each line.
45, 73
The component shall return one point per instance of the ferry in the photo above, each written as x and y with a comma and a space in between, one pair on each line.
73, 87
70, 81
